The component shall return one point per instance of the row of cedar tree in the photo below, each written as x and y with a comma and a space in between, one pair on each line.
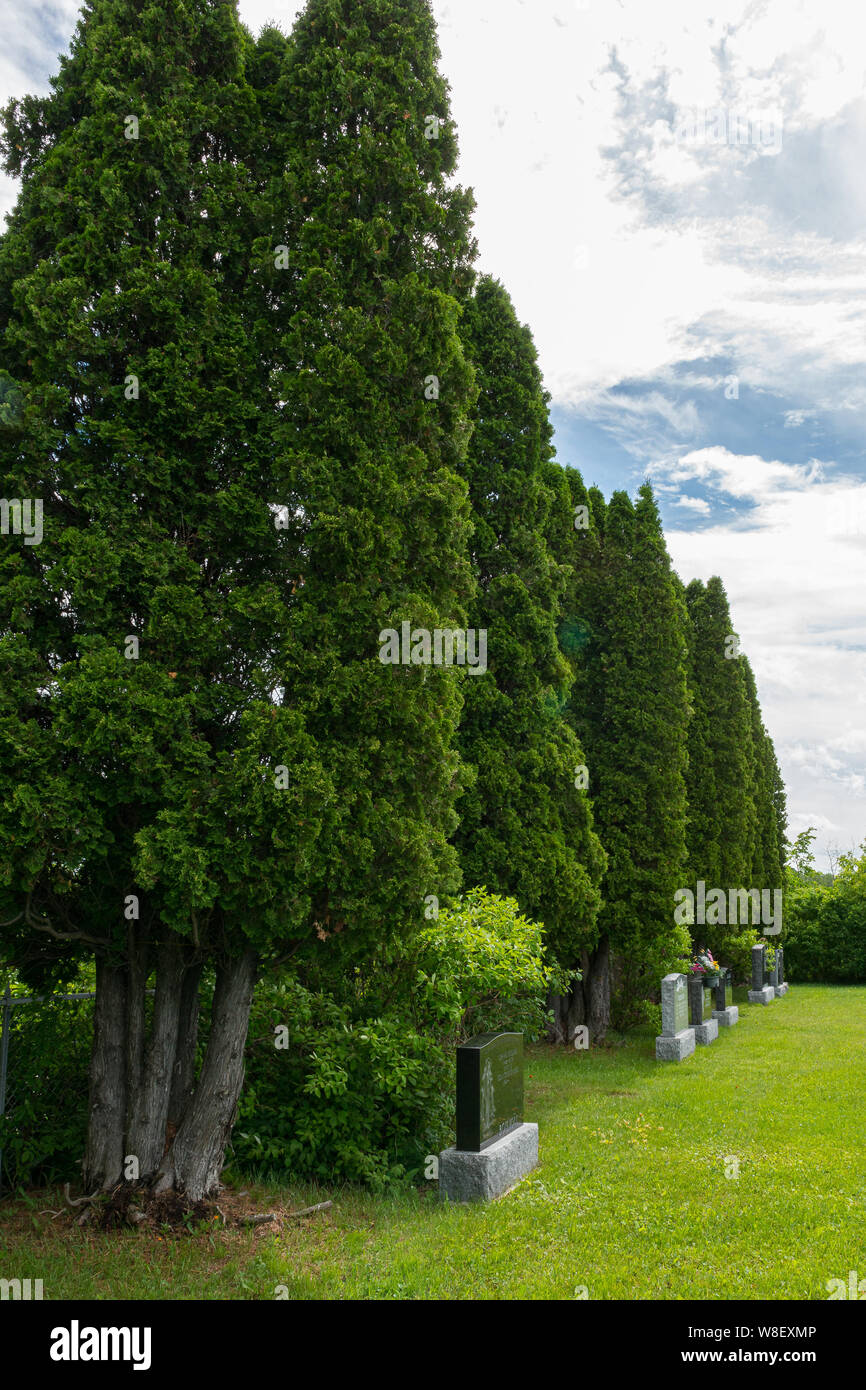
239, 309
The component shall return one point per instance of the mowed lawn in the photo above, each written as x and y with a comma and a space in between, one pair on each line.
631, 1199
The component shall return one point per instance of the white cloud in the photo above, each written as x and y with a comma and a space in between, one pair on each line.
795, 572
694, 504
747, 477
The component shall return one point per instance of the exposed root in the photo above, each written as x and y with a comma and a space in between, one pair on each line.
77, 1201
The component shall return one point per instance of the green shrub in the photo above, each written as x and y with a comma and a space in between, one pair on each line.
41, 1134
825, 928
360, 1084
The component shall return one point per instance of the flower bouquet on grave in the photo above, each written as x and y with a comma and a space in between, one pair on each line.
705, 966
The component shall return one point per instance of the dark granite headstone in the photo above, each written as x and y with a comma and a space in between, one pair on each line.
770, 977
758, 954
700, 1000
489, 1089
780, 965
723, 993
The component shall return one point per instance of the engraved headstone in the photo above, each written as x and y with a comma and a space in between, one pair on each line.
701, 1010
723, 992
700, 1000
495, 1149
677, 1040
760, 993
758, 954
726, 1012
675, 1005
489, 1089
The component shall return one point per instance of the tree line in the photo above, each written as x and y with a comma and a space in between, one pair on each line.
272, 411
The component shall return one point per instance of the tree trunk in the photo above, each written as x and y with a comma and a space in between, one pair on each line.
588, 1003
195, 1159
558, 1030
596, 991
136, 972
183, 1074
149, 1100
103, 1161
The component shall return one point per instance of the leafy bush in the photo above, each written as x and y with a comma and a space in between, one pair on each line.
636, 980
825, 926
41, 1134
353, 1078
363, 1089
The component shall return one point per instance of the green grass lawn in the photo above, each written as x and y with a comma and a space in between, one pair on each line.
630, 1200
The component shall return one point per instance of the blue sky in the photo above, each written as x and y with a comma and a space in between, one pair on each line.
673, 195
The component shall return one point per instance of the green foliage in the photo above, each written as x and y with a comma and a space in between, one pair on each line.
364, 1091
525, 826
357, 316
41, 1134
215, 338
721, 812
130, 258
624, 635
825, 923
282, 263
768, 796
736, 800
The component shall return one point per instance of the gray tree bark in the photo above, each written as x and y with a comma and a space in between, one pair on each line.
597, 992
183, 1072
103, 1159
195, 1160
588, 1003
136, 981
149, 1101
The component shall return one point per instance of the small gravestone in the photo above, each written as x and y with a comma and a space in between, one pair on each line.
771, 975
760, 993
726, 1012
489, 1089
494, 1148
701, 1011
781, 982
677, 1040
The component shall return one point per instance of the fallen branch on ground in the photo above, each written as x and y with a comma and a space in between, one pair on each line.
307, 1211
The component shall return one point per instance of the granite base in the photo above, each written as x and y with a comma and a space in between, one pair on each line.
676, 1046
706, 1033
481, 1177
762, 996
726, 1018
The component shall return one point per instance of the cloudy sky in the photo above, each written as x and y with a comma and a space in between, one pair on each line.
673, 194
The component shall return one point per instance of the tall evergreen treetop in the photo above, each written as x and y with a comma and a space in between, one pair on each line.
629, 705
526, 827
371, 395
722, 829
